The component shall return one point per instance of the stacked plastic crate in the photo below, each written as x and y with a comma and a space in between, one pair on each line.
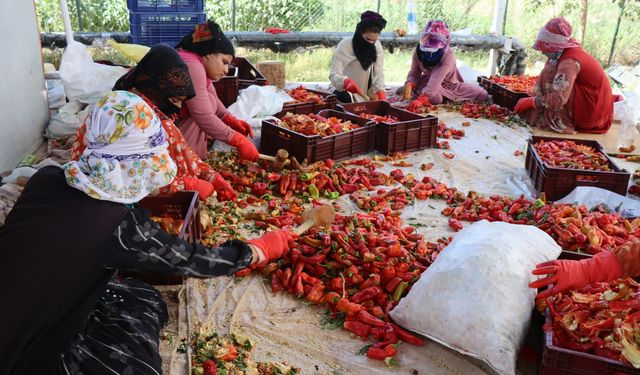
163, 21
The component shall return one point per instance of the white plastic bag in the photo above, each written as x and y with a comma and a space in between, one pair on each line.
593, 196
254, 104
627, 112
67, 120
475, 298
84, 80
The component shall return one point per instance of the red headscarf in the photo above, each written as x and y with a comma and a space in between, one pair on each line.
555, 36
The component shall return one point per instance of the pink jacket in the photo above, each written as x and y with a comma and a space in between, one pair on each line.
443, 80
203, 115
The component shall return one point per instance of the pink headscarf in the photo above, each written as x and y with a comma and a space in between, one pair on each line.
555, 36
435, 35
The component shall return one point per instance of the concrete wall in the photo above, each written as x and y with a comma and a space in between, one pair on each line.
24, 109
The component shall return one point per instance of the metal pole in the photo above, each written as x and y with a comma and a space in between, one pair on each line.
79, 12
621, 4
233, 15
68, 31
378, 10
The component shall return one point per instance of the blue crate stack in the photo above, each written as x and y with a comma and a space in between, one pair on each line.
163, 21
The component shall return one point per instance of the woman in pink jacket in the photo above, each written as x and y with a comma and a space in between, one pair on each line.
434, 75
208, 53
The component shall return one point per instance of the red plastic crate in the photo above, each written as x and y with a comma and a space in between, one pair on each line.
305, 108
227, 87
247, 73
411, 133
561, 361
314, 148
558, 182
501, 95
181, 205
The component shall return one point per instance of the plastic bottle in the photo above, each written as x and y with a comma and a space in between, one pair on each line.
412, 24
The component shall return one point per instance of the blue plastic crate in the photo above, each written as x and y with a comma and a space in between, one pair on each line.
168, 28
165, 5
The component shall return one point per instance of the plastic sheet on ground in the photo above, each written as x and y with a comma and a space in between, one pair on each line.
290, 331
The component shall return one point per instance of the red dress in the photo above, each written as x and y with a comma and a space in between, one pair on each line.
592, 98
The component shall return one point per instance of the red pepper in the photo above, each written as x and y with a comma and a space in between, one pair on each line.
407, 336
377, 312
293, 182
316, 293
331, 298
310, 279
209, 367
388, 273
350, 188
366, 294
392, 284
372, 280
259, 188
382, 353
395, 250
276, 282
273, 177
347, 307
624, 305
364, 317
455, 224
284, 184
357, 328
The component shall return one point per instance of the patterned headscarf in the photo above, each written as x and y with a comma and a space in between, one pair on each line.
555, 36
207, 38
434, 36
126, 157
160, 75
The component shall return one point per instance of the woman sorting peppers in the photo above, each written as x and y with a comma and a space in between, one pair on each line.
162, 80
208, 53
434, 76
74, 227
573, 93
356, 72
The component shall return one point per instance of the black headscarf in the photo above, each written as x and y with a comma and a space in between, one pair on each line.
160, 75
365, 51
207, 38
430, 59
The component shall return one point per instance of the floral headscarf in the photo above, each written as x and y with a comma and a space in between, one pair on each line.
555, 36
434, 36
126, 157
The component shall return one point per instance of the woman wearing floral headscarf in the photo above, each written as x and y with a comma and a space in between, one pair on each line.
573, 92
208, 53
356, 72
434, 76
162, 79
69, 232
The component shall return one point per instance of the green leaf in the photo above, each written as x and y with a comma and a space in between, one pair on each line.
330, 322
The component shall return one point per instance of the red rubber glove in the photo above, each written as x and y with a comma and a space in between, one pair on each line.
274, 244
570, 274
351, 86
420, 101
238, 125
204, 188
525, 104
246, 149
381, 95
224, 189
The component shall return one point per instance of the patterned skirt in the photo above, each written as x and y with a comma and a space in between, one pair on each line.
122, 333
